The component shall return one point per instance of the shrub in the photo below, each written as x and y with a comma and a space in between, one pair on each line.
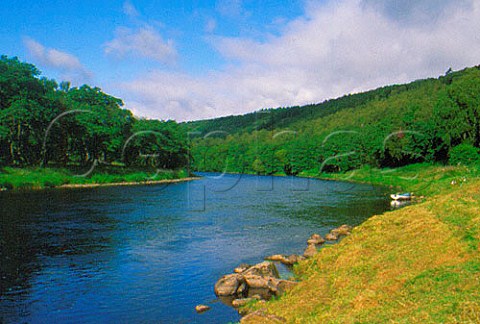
464, 154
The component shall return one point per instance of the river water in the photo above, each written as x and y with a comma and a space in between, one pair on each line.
151, 253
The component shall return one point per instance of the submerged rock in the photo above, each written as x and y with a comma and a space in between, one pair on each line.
201, 308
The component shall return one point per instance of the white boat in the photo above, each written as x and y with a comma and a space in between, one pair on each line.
402, 196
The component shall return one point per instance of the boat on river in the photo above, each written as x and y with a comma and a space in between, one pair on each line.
402, 196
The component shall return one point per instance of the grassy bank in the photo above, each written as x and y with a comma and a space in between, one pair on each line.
418, 264
38, 178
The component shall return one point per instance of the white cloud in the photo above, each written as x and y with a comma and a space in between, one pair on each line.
67, 64
210, 25
144, 42
422, 12
336, 48
130, 10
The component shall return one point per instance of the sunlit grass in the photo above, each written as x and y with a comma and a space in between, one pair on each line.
422, 179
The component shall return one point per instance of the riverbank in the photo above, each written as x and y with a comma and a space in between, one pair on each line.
41, 178
119, 184
417, 264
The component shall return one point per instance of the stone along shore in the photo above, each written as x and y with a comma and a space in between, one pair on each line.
262, 281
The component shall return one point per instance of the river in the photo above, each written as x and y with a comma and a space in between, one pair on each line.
151, 253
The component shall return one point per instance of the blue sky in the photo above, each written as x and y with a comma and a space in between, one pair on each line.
188, 60
83, 28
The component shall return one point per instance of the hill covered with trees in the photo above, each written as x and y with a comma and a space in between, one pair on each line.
432, 120
50, 124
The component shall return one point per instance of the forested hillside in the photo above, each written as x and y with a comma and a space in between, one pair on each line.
283, 117
46, 123
433, 120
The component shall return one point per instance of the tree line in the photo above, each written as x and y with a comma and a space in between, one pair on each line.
426, 121
43, 122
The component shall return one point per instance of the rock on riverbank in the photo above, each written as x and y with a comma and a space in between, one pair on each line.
261, 279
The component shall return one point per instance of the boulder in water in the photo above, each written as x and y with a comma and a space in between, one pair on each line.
342, 230
315, 239
256, 282
229, 285
201, 308
263, 269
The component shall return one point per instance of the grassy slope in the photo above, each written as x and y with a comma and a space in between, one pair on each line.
417, 264
37, 178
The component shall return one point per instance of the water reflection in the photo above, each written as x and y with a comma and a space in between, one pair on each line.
396, 204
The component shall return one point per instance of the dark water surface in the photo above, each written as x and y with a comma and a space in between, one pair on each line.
151, 253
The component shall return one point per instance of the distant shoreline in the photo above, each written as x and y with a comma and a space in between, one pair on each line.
100, 185
26, 179
119, 184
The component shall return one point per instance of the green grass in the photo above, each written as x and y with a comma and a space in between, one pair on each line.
38, 178
423, 179
418, 264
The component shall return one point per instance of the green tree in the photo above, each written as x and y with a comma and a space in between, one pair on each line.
457, 112
100, 127
157, 144
464, 154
